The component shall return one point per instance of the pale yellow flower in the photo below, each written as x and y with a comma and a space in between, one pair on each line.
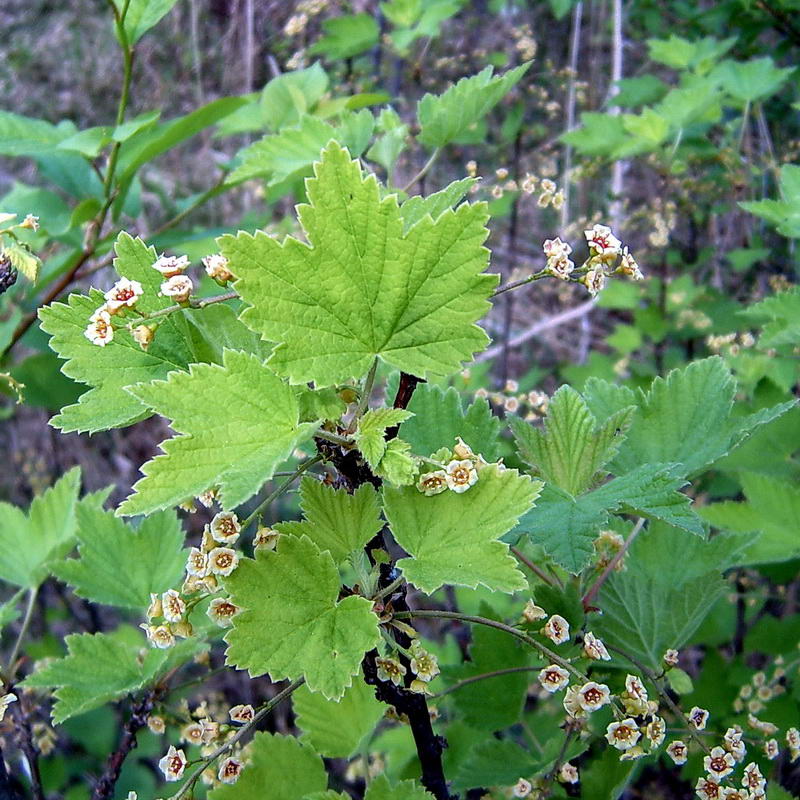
242, 714
229, 770
222, 611
390, 669
99, 330
173, 764
592, 696
624, 734
556, 629
178, 287
461, 475
170, 266
719, 763
173, 605
678, 751
123, 294
553, 678
222, 561
225, 527
432, 483
217, 267
594, 648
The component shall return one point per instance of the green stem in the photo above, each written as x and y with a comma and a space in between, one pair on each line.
387, 590
424, 171
344, 441
281, 489
224, 748
486, 675
536, 570
366, 391
26, 621
193, 303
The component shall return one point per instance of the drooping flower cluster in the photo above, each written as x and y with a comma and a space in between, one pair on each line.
607, 256
458, 475
123, 295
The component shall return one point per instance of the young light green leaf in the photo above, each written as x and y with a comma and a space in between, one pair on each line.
335, 520
371, 430
417, 207
288, 767
440, 418
142, 15
446, 117
122, 362
320, 301
381, 789
247, 424
346, 36
30, 542
120, 565
285, 98
750, 81
572, 448
783, 214
101, 667
453, 538
22, 259
397, 465
337, 729
292, 624
28, 136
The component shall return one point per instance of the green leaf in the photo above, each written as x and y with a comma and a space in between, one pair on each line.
30, 542
783, 214
337, 729
452, 538
750, 81
292, 624
371, 430
121, 363
417, 207
772, 508
439, 418
288, 96
680, 53
446, 117
246, 426
599, 134
101, 667
288, 767
23, 259
684, 418
381, 789
143, 15
492, 703
293, 151
495, 762
26, 136
566, 527
320, 301
397, 465
572, 447
346, 36
120, 565
336, 520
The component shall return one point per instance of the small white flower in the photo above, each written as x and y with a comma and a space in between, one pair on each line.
555, 248
634, 698
568, 773
143, 335
156, 725
670, 658
390, 669
594, 648
553, 678
719, 763
572, 703
655, 731
698, 717
225, 527
602, 241
210, 730
432, 483
173, 606
222, 561
522, 788
460, 475
99, 330
594, 280
532, 612
729, 793
173, 764
159, 636
678, 751
423, 664
752, 778
629, 267
197, 563
230, 770
793, 741
192, 733
592, 696
31, 222
123, 294
556, 629
155, 609
707, 789
170, 266
222, 611
560, 267
734, 743
242, 714
217, 268
771, 749
5, 701
265, 539
624, 734
178, 287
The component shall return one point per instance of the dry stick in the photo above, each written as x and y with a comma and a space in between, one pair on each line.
540, 327
574, 47
226, 747
590, 595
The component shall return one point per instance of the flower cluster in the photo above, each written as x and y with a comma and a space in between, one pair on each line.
177, 286
513, 401
607, 256
424, 667
168, 613
124, 294
458, 475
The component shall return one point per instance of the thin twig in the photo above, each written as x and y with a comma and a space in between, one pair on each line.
194, 303
11, 668
424, 171
486, 676
538, 571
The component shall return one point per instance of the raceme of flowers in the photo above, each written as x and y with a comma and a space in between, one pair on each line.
607, 256
122, 297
